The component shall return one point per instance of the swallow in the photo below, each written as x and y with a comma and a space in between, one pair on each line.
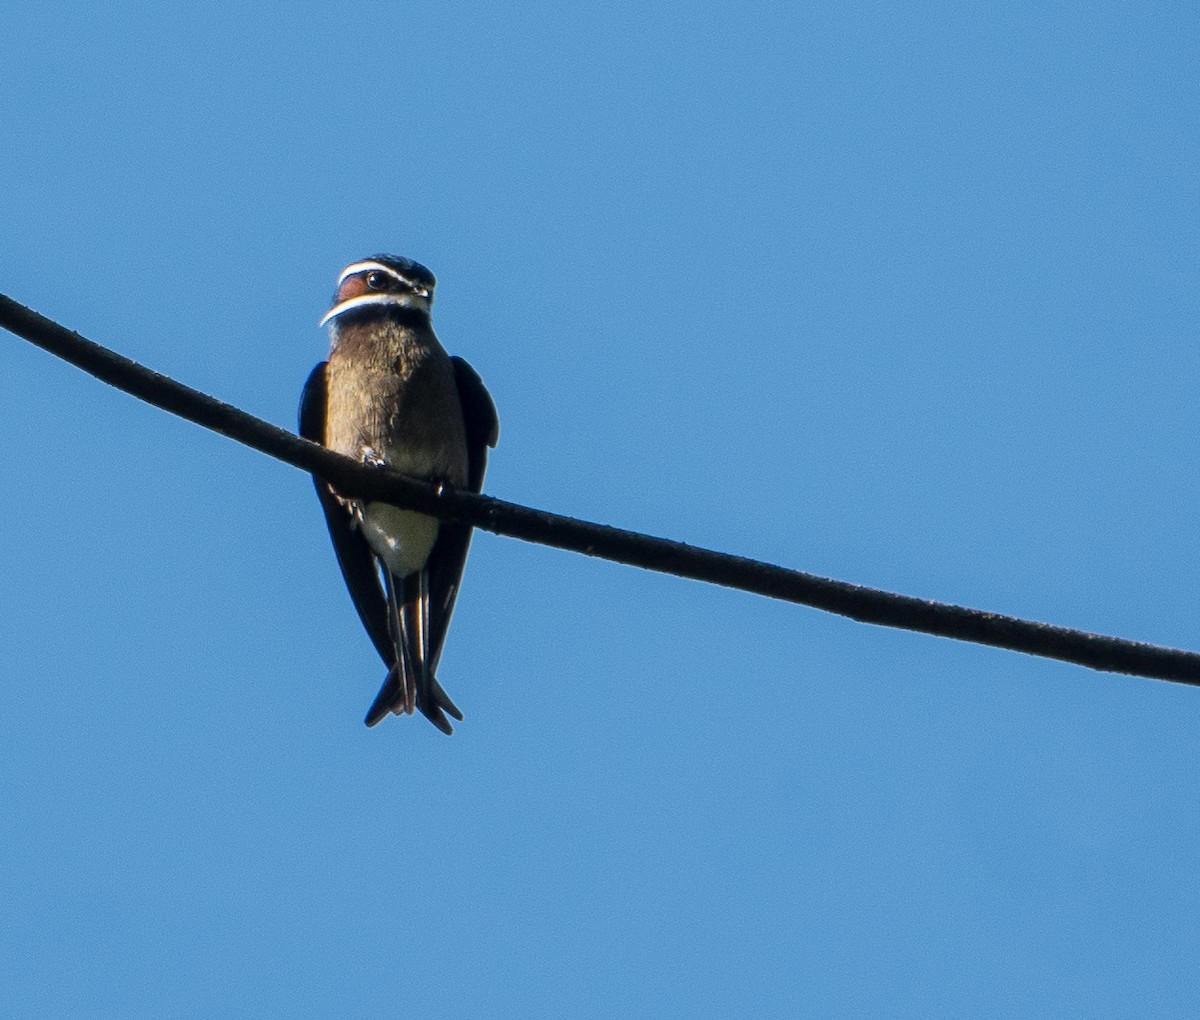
389, 395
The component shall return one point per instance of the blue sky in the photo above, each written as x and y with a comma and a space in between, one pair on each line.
900, 294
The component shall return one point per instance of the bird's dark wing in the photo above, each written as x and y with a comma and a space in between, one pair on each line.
354, 555
479, 415
450, 551
445, 564
410, 682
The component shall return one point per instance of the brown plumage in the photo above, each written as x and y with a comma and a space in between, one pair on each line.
391, 395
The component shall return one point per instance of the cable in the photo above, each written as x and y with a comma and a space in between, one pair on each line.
868, 605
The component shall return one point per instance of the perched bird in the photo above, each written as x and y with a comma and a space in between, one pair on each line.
390, 395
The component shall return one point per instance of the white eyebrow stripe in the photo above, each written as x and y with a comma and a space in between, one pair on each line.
359, 267
403, 300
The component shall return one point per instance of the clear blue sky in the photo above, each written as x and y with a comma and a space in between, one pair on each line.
900, 294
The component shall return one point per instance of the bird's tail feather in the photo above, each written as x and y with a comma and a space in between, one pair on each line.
410, 683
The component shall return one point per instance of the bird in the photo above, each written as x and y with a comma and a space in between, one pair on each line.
389, 395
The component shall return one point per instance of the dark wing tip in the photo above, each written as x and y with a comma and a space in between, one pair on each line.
443, 699
434, 715
391, 694
432, 704
388, 694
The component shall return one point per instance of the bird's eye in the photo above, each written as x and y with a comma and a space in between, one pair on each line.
377, 280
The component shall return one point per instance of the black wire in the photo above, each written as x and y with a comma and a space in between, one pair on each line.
867, 605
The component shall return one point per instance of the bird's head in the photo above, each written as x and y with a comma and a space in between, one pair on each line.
381, 285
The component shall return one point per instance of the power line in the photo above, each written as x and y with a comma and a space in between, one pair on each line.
867, 605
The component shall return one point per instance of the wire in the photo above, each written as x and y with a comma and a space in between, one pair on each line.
868, 605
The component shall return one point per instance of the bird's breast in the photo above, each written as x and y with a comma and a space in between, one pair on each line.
395, 403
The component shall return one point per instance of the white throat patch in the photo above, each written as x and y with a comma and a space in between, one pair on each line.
418, 301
